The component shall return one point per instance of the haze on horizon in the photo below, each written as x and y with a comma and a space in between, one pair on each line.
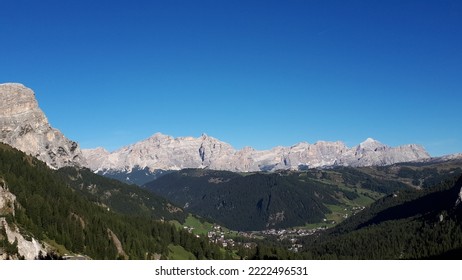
250, 73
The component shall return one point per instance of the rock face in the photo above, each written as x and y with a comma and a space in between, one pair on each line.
28, 249
459, 198
168, 153
24, 126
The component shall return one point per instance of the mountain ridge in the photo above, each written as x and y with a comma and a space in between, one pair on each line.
163, 152
25, 126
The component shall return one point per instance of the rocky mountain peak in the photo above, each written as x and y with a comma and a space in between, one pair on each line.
24, 126
370, 140
168, 153
370, 144
159, 137
20, 99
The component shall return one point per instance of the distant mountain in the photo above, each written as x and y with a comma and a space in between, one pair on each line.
135, 176
24, 126
161, 152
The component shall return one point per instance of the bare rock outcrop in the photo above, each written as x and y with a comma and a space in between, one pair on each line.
28, 249
24, 126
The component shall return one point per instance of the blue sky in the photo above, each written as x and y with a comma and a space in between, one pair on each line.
250, 73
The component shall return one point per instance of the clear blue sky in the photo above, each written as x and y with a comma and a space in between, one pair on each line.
250, 73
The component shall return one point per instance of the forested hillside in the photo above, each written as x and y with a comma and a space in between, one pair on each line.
120, 197
409, 224
71, 221
257, 201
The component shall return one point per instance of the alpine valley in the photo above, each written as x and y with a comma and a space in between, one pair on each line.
199, 198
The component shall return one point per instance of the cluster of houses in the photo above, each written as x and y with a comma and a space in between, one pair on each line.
286, 233
291, 235
190, 230
217, 236
358, 209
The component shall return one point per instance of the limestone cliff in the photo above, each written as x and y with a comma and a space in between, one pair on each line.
167, 153
24, 126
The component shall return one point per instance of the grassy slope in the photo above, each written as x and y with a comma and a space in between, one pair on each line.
176, 252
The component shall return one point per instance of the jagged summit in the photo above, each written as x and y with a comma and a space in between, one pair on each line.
370, 145
24, 126
369, 140
162, 152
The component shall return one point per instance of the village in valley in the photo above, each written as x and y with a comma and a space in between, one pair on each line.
228, 239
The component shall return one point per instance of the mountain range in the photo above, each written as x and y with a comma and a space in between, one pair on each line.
162, 152
25, 126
